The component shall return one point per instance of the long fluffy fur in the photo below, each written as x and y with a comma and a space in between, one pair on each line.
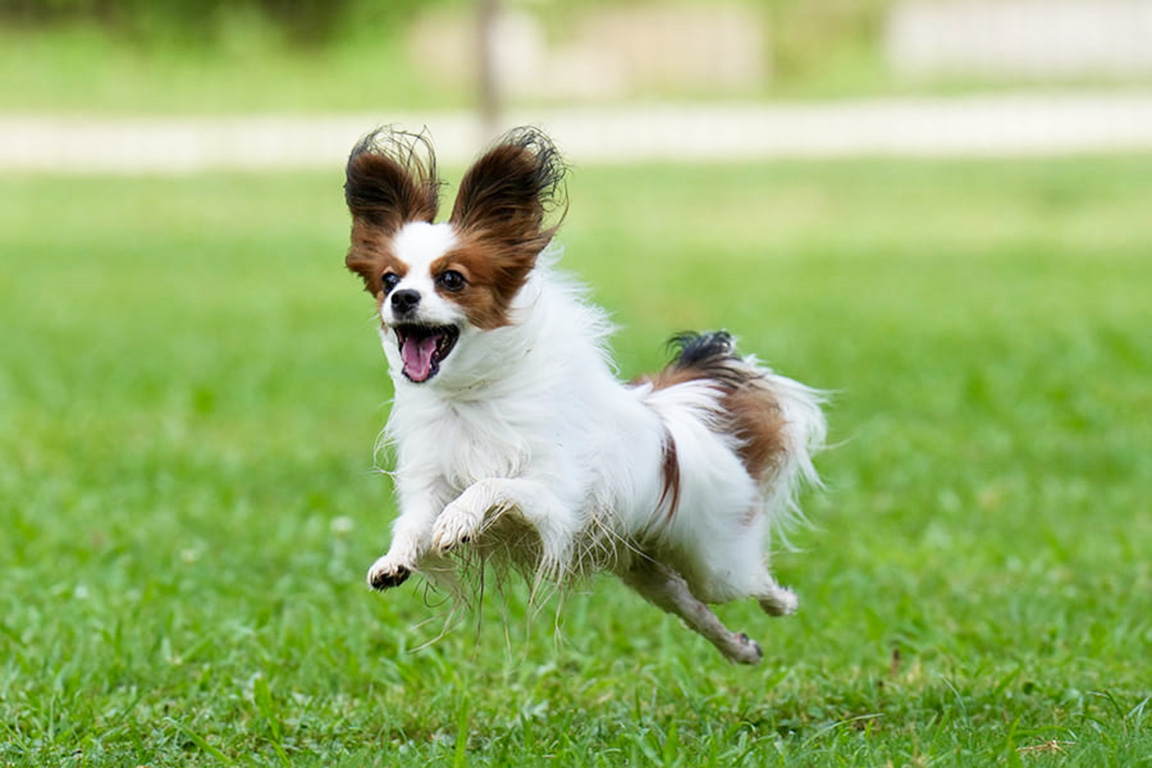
516, 441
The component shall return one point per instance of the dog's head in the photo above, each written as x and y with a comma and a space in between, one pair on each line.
438, 283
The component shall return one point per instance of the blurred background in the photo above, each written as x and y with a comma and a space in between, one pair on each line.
936, 209
615, 79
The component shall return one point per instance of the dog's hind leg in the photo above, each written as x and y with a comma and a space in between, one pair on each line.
777, 600
666, 589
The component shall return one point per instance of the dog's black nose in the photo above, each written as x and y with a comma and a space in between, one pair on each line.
405, 301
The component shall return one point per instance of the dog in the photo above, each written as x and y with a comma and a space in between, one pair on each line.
513, 438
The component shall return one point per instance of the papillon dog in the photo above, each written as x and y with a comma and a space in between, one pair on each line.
513, 438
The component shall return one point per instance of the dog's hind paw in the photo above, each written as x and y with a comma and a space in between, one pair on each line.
781, 601
746, 650
385, 574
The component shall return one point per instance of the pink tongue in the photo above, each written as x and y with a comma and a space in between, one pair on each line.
417, 357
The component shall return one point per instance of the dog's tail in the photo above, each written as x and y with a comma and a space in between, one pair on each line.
777, 424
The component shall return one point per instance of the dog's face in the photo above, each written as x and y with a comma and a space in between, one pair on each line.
439, 284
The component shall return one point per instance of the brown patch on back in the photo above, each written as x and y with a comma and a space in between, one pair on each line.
750, 411
671, 375
758, 425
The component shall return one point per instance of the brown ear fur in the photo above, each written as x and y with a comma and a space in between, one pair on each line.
390, 180
501, 206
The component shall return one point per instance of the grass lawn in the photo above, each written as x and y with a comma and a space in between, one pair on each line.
190, 389
241, 64
86, 70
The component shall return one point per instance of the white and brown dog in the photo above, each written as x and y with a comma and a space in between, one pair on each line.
514, 439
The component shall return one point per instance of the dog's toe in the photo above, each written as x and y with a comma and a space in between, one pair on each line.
747, 651
384, 576
757, 649
455, 527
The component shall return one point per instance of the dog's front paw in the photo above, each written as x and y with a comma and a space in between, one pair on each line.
386, 573
458, 524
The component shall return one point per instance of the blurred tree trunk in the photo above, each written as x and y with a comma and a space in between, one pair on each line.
487, 12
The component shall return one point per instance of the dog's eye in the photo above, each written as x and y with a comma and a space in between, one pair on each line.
389, 281
451, 280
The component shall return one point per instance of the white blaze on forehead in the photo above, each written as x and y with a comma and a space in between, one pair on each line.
418, 244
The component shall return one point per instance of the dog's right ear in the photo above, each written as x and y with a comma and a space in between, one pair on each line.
391, 179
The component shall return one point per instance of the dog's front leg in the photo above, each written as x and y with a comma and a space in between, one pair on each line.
532, 501
411, 540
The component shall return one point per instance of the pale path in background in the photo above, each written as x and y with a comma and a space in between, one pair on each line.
972, 126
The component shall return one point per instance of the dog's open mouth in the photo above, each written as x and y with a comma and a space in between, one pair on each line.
424, 347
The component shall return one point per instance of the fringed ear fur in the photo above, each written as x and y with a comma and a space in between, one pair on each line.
390, 180
499, 213
506, 195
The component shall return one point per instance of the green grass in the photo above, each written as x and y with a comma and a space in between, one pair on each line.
249, 69
241, 63
190, 388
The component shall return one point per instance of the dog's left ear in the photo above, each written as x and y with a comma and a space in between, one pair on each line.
507, 194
